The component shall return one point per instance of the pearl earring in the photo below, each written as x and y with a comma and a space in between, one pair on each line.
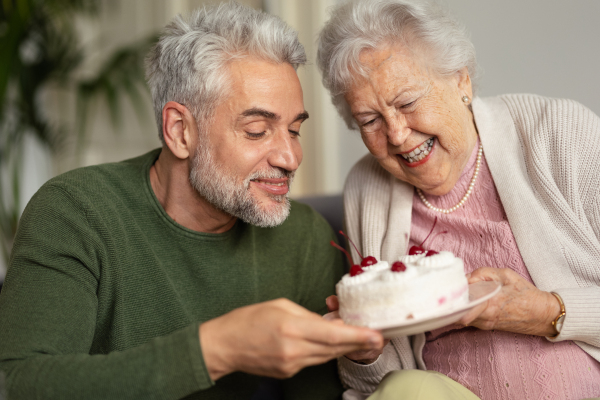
466, 99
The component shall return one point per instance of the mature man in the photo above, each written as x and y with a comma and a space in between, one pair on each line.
165, 276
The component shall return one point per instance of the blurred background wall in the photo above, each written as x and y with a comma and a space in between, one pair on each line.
536, 46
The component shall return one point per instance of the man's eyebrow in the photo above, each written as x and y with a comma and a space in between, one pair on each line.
302, 117
260, 113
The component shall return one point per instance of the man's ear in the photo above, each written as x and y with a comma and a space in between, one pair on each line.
179, 129
464, 82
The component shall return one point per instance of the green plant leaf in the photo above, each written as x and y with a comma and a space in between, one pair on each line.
120, 77
38, 45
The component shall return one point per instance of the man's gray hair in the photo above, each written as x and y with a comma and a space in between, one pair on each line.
359, 25
189, 63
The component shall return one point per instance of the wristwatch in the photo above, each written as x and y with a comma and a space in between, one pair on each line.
560, 319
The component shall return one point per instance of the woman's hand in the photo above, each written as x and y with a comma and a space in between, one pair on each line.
364, 356
519, 307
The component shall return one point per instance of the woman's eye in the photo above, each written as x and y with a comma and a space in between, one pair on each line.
369, 122
408, 104
253, 135
295, 133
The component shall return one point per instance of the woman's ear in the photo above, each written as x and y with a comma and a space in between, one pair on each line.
179, 129
464, 82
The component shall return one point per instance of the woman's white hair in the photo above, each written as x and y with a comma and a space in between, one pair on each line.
189, 63
365, 24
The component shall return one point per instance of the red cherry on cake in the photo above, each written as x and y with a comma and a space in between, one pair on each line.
365, 261
356, 270
414, 250
398, 266
369, 260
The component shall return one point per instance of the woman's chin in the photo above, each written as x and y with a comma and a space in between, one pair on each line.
434, 188
436, 191
419, 178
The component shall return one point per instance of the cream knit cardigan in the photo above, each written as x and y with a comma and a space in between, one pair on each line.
544, 156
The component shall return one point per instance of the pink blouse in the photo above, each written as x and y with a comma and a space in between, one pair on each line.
495, 364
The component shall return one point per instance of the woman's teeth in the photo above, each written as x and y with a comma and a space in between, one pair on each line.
420, 152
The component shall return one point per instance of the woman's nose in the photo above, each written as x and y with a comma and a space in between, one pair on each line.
397, 131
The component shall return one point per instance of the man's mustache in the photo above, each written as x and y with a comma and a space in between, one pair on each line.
273, 173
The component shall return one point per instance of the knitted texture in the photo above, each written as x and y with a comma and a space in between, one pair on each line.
495, 364
105, 292
542, 154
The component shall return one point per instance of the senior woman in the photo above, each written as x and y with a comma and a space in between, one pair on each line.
514, 179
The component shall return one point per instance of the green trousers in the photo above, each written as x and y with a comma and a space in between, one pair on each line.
414, 384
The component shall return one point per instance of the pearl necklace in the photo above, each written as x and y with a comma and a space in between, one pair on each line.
465, 197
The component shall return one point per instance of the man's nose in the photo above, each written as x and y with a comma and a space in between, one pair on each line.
397, 130
286, 152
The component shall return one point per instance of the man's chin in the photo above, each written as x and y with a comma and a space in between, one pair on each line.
268, 214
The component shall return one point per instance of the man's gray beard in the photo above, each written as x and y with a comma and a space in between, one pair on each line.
225, 193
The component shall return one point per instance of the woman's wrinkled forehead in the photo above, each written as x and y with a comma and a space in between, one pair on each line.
394, 75
410, 55
404, 45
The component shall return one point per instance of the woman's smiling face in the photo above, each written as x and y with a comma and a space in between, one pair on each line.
412, 119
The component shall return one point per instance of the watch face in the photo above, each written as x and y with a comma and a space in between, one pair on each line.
559, 323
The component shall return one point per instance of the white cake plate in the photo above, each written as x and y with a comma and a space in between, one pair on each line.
478, 293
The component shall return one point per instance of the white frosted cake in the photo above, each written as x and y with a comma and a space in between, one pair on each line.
418, 286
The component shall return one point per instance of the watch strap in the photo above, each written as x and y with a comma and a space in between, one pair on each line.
558, 321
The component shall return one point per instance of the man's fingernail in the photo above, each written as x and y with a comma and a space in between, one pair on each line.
373, 342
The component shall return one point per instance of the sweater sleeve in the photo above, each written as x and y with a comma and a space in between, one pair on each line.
561, 147
582, 321
362, 378
366, 205
582, 191
573, 150
48, 319
365, 378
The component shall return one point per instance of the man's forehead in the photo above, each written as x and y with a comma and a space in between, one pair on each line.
261, 88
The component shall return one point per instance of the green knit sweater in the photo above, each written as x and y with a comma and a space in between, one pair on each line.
105, 292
